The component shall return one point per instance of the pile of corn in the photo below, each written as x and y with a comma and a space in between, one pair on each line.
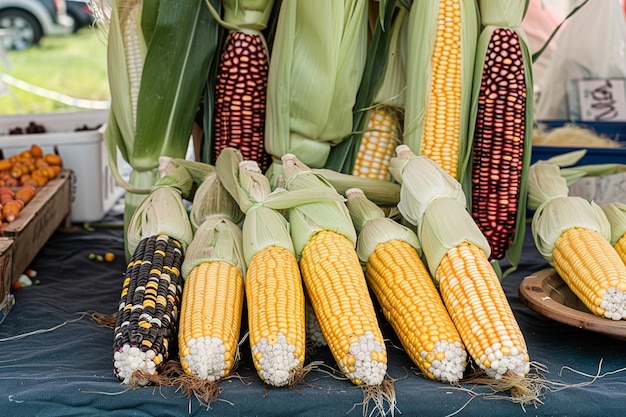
320, 118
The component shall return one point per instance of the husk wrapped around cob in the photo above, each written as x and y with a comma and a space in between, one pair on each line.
317, 61
573, 235
274, 290
410, 301
241, 82
457, 256
500, 130
158, 56
441, 50
324, 239
383, 131
212, 304
147, 319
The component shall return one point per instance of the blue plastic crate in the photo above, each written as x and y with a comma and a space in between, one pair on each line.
613, 130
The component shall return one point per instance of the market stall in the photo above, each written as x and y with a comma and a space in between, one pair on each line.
56, 361
111, 322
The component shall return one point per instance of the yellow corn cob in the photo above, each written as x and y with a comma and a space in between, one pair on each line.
378, 144
324, 237
457, 254
593, 270
440, 62
478, 306
620, 247
413, 306
574, 235
405, 290
274, 291
210, 319
276, 314
214, 271
336, 285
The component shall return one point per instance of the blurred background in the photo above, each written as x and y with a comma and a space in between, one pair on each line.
53, 57
53, 53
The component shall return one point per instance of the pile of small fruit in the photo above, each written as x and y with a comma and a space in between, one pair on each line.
20, 177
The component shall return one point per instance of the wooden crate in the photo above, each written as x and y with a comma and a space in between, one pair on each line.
6, 266
37, 221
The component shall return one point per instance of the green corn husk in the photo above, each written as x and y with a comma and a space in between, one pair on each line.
159, 53
383, 193
383, 76
162, 212
321, 206
212, 199
317, 62
434, 202
374, 227
216, 239
556, 211
616, 215
264, 225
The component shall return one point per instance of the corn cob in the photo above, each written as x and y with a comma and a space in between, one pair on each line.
501, 128
573, 235
440, 60
405, 290
147, 319
384, 125
274, 291
212, 300
240, 90
457, 255
324, 237
378, 144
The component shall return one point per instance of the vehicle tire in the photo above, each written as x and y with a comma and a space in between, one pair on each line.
76, 20
25, 29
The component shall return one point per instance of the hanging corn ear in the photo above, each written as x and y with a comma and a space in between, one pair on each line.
324, 238
213, 270
154, 100
317, 58
240, 89
384, 128
147, 318
441, 50
406, 291
381, 54
378, 144
457, 255
274, 291
616, 214
501, 129
573, 235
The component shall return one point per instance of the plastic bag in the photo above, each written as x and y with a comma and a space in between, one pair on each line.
592, 44
538, 24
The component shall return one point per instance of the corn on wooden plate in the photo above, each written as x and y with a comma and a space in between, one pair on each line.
547, 294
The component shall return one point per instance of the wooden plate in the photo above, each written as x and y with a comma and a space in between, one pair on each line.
547, 294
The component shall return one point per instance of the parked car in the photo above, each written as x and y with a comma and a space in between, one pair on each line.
81, 13
24, 22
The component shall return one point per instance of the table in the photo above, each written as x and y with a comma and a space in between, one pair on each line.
67, 370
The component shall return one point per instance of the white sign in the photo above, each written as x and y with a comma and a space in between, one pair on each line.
602, 100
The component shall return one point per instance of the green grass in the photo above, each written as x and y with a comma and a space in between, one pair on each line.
72, 65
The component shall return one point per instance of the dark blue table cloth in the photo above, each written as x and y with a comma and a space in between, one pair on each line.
68, 371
